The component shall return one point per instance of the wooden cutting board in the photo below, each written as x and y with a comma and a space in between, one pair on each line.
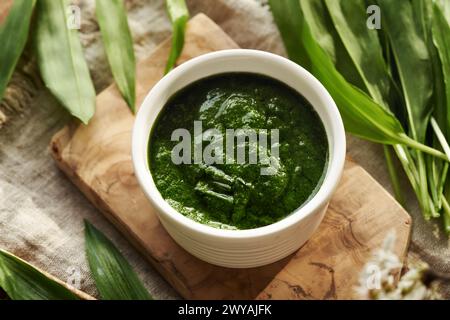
97, 159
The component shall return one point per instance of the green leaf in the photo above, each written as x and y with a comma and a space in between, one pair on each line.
321, 26
179, 16
13, 37
423, 16
61, 61
405, 24
440, 25
393, 174
113, 275
21, 281
363, 47
112, 19
444, 6
340, 29
349, 60
441, 32
362, 116
286, 15
440, 103
408, 43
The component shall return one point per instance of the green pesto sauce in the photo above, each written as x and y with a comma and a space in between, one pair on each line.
237, 196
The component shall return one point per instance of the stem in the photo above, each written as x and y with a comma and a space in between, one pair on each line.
441, 137
442, 181
446, 215
408, 164
443, 177
434, 212
424, 148
432, 181
393, 175
412, 173
415, 177
428, 209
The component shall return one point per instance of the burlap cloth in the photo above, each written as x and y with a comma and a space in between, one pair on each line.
41, 212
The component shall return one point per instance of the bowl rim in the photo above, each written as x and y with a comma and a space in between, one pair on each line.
335, 164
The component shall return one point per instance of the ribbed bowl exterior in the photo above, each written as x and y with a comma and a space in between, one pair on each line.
246, 254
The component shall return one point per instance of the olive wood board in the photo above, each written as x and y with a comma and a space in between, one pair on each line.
97, 158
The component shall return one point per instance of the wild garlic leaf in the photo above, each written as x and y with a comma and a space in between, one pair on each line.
441, 32
21, 281
363, 46
405, 23
179, 16
13, 37
114, 277
362, 116
424, 10
317, 18
286, 15
112, 19
408, 43
61, 60
444, 6
350, 44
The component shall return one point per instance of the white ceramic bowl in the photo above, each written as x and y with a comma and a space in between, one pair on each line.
254, 247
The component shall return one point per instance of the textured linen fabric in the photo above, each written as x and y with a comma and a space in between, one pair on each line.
41, 212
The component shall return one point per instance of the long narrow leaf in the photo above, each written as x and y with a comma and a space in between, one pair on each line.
321, 26
113, 275
444, 6
285, 13
21, 281
405, 23
362, 116
409, 46
179, 16
366, 52
61, 61
423, 17
13, 37
441, 32
440, 25
362, 45
422, 11
323, 53
441, 109
112, 19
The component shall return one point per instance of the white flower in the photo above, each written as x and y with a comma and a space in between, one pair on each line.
378, 279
